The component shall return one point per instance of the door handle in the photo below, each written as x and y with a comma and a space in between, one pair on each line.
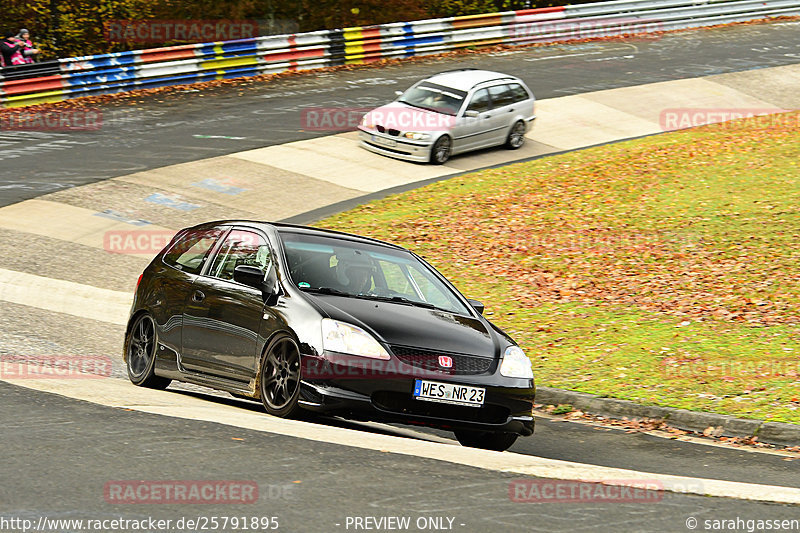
198, 296
511, 110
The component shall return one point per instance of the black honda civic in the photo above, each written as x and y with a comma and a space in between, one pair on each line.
310, 320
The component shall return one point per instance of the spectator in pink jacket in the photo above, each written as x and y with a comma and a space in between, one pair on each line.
28, 50
10, 51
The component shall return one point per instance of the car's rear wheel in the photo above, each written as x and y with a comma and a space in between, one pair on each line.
487, 440
516, 137
441, 150
280, 378
140, 352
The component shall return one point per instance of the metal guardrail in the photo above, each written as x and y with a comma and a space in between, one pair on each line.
125, 71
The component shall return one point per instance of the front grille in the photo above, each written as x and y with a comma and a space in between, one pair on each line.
404, 404
390, 131
463, 365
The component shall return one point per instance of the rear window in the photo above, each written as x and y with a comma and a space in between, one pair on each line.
518, 92
190, 251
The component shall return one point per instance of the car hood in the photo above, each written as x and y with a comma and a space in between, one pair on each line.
407, 325
404, 117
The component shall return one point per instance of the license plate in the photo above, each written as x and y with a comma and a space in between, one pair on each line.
385, 142
433, 391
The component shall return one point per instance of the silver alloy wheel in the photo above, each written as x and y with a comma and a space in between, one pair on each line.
516, 137
440, 152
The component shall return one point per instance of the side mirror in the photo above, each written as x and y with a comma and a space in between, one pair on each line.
469, 113
255, 277
478, 306
248, 275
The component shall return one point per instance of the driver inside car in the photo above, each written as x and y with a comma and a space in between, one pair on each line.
355, 273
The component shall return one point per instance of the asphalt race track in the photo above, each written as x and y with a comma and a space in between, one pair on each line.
192, 126
59, 452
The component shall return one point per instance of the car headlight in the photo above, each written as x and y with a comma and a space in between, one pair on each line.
366, 121
346, 338
417, 136
516, 364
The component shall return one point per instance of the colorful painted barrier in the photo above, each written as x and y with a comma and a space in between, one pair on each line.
125, 71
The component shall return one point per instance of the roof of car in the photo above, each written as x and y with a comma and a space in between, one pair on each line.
309, 230
466, 79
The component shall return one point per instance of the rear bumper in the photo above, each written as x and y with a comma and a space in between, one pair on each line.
405, 150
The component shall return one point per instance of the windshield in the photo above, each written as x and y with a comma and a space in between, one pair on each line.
338, 266
434, 98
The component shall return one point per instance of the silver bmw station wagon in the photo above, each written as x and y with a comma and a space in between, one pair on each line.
451, 113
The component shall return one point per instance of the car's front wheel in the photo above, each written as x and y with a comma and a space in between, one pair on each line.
140, 352
487, 440
516, 137
280, 378
440, 152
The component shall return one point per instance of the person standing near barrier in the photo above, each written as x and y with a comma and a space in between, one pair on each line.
29, 52
11, 50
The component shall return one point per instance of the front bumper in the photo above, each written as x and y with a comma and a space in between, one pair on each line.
381, 143
389, 396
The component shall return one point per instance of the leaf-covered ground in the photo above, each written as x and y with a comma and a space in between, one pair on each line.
664, 270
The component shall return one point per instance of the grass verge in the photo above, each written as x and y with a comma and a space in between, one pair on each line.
663, 270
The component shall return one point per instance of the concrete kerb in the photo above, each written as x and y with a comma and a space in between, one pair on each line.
725, 425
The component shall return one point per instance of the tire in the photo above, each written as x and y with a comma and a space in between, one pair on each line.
441, 150
279, 378
140, 353
516, 137
486, 440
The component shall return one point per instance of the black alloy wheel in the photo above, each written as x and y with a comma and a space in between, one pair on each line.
280, 378
140, 352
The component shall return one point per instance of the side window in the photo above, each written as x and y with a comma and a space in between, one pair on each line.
191, 251
480, 101
501, 96
518, 92
240, 248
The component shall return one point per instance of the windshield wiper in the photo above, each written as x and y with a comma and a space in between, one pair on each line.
325, 290
401, 300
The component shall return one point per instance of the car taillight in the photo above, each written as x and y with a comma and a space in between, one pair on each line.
138, 281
